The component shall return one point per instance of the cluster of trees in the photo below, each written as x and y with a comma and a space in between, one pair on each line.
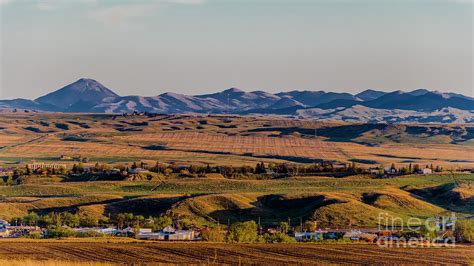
60, 224
97, 168
247, 232
121, 220
259, 171
56, 219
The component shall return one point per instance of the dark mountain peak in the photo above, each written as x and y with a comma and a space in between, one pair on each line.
398, 92
286, 102
171, 94
86, 90
314, 98
419, 92
86, 80
370, 94
233, 91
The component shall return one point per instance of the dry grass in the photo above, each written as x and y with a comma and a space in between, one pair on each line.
219, 140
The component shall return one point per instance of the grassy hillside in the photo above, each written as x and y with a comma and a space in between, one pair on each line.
338, 202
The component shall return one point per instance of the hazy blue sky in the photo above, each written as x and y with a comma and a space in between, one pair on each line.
195, 46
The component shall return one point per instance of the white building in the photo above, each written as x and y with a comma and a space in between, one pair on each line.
427, 171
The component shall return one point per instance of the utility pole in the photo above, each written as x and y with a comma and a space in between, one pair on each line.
259, 226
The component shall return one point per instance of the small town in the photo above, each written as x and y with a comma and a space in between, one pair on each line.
170, 228
166, 228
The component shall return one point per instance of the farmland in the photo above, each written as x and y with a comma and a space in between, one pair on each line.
354, 201
221, 140
218, 253
229, 140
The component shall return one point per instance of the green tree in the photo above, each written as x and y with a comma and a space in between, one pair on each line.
70, 219
309, 226
416, 168
56, 219
428, 232
120, 220
88, 221
279, 238
213, 234
45, 220
381, 170
31, 219
243, 232
28, 170
284, 227
464, 231
162, 222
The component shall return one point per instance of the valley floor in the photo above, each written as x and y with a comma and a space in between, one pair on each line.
211, 253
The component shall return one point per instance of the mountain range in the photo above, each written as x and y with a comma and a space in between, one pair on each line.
90, 96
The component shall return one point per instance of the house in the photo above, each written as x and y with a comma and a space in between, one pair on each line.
144, 231
4, 232
3, 223
168, 233
374, 171
426, 171
357, 235
21, 230
137, 171
115, 171
65, 158
309, 236
390, 171
108, 231
49, 166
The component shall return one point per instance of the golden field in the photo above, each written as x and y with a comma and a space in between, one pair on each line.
228, 140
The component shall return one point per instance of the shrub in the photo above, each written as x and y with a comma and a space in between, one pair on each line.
88, 221
279, 238
34, 235
213, 234
464, 231
243, 232
89, 234
59, 232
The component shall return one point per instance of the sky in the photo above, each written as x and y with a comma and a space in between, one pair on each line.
147, 47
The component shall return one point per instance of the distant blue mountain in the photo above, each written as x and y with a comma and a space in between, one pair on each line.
88, 95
